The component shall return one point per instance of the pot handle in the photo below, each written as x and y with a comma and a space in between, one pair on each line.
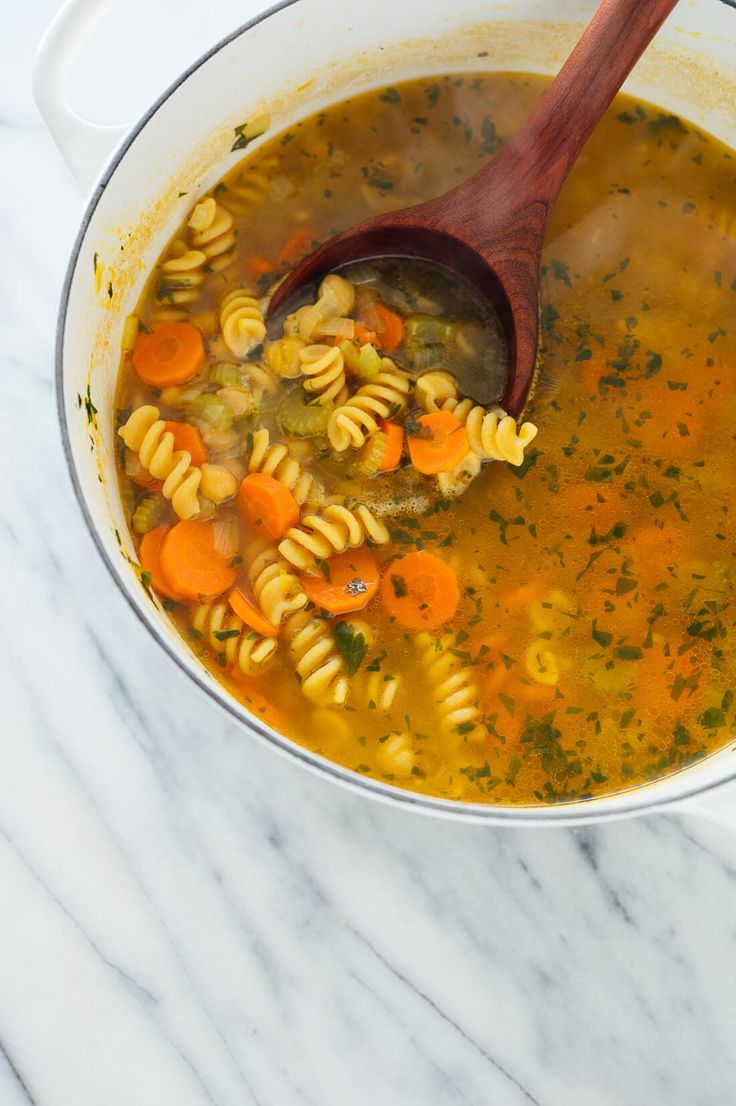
84, 146
717, 805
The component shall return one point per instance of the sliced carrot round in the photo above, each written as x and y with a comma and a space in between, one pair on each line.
167, 354
245, 608
191, 564
437, 442
257, 703
420, 591
266, 505
350, 582
388, 326
394, 445
189, 438
149, 557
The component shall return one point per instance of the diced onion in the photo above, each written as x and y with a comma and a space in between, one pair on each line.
226, 538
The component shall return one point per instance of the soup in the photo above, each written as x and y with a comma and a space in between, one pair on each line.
406, 581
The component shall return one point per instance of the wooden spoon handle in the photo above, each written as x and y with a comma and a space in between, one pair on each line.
613, 42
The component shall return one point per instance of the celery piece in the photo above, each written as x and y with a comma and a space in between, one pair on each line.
212, 411
149, 513
426, 357
429, 329
371, 454
225, 374
364, 362
300, 418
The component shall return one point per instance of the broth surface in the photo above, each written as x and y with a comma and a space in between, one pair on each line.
596, 623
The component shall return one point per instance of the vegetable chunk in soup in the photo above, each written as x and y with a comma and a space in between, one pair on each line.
405, 580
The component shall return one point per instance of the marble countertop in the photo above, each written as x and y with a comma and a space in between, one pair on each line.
186, 918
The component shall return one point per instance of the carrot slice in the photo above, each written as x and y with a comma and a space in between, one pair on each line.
420, 591
297, 244
191, 564
351, 581
189, 438
246, 609
437, 442
394, 445
364, 335
387, 324
169, 353
266, 505
258, 704
149, 557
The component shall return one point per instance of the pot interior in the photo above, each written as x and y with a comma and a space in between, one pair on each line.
299, 58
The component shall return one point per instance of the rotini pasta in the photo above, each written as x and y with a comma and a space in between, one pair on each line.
492, 434
452, 687
317, 662
276, 459
230, 639
338, 526
146, 435
241, 322
324, 368
180, 281
396, 754
212, 233
278, 592
434, 388
378, 690
383, 397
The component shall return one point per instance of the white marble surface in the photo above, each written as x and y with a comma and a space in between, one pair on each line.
187, 919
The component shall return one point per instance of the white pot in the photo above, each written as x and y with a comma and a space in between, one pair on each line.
291, 61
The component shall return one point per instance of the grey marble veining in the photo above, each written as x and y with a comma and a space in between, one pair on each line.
188, 919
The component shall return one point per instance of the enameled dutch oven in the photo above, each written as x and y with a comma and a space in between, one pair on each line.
291, 61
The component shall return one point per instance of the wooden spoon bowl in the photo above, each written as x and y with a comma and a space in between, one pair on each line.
491, 227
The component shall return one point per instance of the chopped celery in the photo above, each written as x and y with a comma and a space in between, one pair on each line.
429, 329
225, 374
149, 513
212, 411
362, 361
301, 418
371, 454
425, 357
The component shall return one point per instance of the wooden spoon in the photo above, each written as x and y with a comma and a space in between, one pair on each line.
490, 228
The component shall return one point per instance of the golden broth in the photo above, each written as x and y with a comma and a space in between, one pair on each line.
596, 620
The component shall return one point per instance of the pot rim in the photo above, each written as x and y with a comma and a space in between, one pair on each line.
580, 812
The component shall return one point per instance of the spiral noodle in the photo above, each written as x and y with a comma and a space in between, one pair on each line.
492, 434
452, 688
396, 754
212, 233
383, 397
434, 388
241, 322
145, 434
248, 190
278, 592
232, 640
324, 366
318, 664
275, 459
336, 528
181, 279
378, 691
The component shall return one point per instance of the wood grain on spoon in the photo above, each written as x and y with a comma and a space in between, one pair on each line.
490, 228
